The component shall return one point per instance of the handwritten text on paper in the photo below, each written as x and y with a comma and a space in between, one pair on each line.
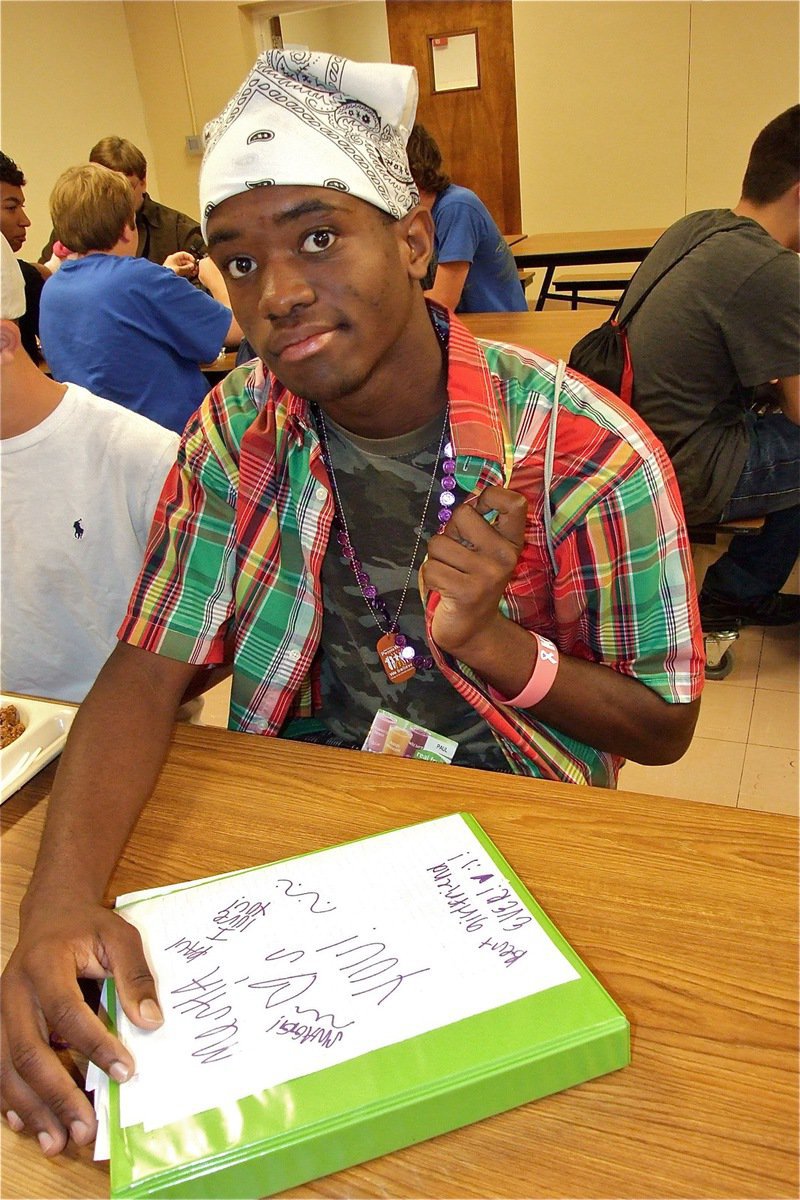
271, 974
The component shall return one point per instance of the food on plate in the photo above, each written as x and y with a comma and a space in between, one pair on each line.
10, 725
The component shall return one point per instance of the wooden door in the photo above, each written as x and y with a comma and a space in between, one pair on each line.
476, 129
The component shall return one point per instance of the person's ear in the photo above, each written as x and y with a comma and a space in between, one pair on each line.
792, 242
10, 341
417, 234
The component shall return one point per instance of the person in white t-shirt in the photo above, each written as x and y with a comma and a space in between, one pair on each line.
81, 477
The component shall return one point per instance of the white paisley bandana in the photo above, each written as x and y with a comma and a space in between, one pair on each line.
314, 120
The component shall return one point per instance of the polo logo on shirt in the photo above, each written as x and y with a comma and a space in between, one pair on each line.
77, 529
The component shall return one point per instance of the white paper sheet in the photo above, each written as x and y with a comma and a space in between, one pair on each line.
102, 1141
97, 1082
271, 974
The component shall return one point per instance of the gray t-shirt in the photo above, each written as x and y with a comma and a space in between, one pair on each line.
383, 485
722, 322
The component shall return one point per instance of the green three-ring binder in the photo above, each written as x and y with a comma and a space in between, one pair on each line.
385, 1099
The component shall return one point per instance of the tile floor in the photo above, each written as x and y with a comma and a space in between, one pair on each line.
747, 742
745, 748
746, 745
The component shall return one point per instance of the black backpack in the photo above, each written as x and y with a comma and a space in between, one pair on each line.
602, 354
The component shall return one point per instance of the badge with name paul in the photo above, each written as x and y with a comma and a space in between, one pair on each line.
390, 734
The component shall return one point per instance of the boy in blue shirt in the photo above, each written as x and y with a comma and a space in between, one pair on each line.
122, 326
475, 270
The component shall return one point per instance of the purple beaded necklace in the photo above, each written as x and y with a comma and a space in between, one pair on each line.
398, 657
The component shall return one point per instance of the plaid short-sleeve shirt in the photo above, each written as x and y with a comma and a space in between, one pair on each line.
232, 571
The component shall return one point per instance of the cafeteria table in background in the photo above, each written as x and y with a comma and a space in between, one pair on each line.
554, 250
552, 333
686, 913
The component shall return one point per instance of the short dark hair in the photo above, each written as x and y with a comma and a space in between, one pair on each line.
425, 161
10, 172
120, 155
774, 164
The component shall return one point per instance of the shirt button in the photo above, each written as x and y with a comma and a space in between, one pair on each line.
321, 493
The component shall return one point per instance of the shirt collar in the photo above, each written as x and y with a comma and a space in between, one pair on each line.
149, 213
478, 434
476, 422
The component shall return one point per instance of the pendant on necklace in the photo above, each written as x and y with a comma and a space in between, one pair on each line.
397, 668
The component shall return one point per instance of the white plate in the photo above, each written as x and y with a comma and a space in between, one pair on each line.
47, 724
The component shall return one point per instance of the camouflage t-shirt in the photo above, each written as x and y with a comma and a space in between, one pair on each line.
382, 486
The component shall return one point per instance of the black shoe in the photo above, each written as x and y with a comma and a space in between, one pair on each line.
777, 609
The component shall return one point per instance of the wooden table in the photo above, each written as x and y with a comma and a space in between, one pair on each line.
686, 912
221, 365
551, 333
552, 250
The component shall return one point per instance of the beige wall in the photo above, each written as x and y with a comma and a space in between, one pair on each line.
358, 30
743, 72
630, 113
189, 58
68, 79
601, 112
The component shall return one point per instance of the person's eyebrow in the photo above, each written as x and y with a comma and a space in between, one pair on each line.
224, 235
304, 209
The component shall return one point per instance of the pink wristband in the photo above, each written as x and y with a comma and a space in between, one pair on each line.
542, 677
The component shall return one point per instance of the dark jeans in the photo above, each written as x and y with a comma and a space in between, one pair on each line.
757, 565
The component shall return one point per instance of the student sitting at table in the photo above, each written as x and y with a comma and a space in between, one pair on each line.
164, 235
160, 231
80, 478
119, 325
723, 321
474, 268
555, 629
14, 225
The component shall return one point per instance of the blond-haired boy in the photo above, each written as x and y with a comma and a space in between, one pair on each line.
120, 325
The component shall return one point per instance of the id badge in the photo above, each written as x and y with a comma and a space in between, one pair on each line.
390, 734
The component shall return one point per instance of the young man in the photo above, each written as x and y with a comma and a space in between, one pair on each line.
308, 489
119, 325
166, 236
723, 321
475, 270
161, 231
14, 226
80, 478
